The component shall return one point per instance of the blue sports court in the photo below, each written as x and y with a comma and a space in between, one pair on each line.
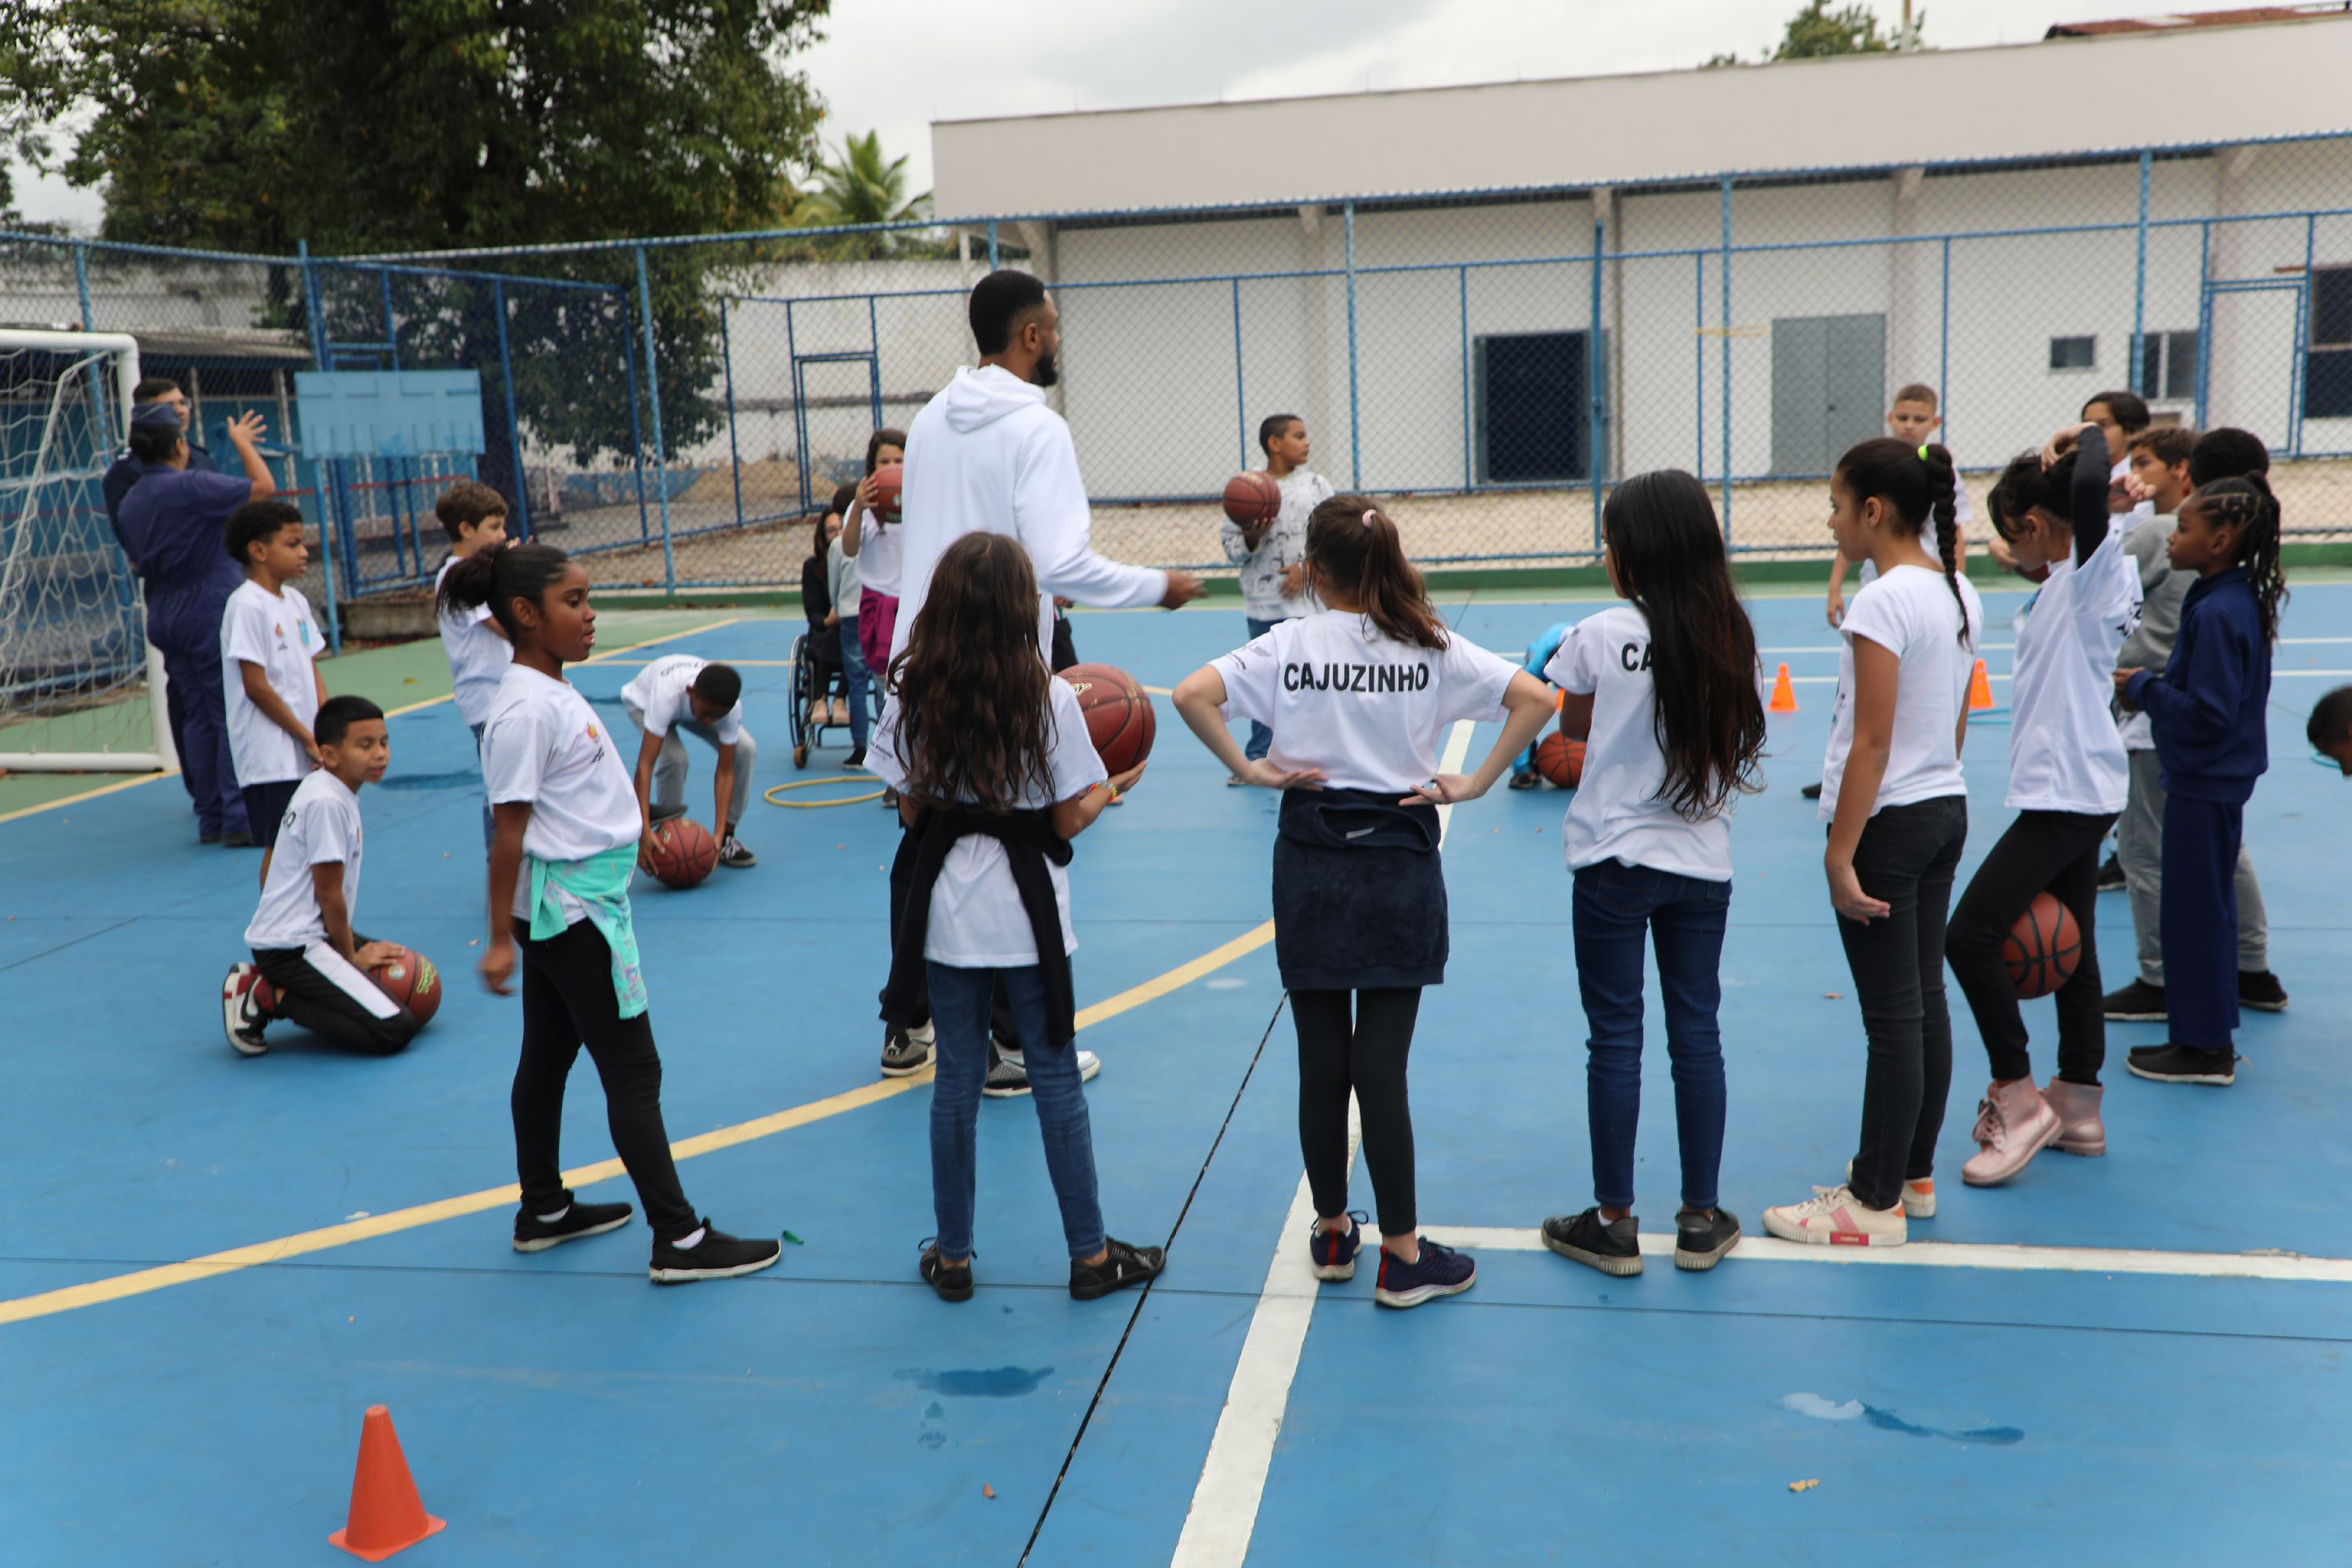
211, 1266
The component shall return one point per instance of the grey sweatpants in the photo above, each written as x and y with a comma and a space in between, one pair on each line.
2139, 850
669, 767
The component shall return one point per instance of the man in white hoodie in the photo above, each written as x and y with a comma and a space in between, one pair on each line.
987, 454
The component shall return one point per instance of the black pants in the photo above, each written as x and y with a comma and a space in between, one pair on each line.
265, 808
2053, 851
1365, 1055
1906, 859
568, 1001
325, 994
1003, 1032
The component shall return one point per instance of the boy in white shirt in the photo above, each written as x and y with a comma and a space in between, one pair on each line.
309, 967
683, 692
270, 646
1273, 556
475, 518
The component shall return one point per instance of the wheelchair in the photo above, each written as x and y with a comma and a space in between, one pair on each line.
815, 682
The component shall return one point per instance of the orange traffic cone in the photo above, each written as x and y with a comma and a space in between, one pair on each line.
387, 1516
1784, 694
1979, 690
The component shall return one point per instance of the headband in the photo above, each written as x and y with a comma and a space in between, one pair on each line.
1369, 512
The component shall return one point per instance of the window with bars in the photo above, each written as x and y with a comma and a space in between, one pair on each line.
2327, 357
2168, 366
2074, 353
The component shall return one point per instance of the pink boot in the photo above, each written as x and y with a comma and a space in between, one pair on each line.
2013, 1124
2080, 1131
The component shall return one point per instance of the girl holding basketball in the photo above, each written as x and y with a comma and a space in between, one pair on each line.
567, 830
1360, 696
2067, 779
873, 542
1666, 688
1897, 810
996, 774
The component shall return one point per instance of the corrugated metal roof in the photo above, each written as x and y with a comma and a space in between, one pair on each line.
2167, 21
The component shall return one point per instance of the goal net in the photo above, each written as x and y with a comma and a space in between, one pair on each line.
81, 690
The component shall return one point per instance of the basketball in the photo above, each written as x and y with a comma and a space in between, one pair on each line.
1251, 497
409, 978
889, 479
1561, 760
2042, 947
682, 853
1118, 715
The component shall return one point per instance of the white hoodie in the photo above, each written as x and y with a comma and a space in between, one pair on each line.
986, 453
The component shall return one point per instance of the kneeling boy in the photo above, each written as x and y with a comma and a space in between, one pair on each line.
683, 692
308, 967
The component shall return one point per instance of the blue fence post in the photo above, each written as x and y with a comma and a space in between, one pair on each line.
636, 428
1355, 407
2137, 368
1698, 355
727, 362
992, 244
514, 427
1593, 371
1241, 399
81, 285
1461, 289
1943, 348
1727, 359
312, 307
873, 370
800, 411
653, 387
2300, 368
2204, 320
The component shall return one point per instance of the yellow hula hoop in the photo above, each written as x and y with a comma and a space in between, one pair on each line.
770, 793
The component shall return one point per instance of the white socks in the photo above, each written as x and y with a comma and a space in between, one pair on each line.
688, 1243
552, 1218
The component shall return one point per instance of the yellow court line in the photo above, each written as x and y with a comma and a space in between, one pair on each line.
119, 785
211, 1265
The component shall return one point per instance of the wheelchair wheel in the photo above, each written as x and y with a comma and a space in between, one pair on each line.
798, 686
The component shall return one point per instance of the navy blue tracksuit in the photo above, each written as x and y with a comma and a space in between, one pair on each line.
2211, 743
115, 487
170, 523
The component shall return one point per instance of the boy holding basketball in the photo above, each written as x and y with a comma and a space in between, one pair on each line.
1272, 554
704, 700
309, 967
269, 645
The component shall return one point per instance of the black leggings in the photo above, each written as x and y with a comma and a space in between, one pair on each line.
331, 997
1366, 1056
568, 1000
2056, 851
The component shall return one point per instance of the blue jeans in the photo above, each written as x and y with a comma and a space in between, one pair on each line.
853, 682
490, 823
1684, 917
1261, 739
960, 1001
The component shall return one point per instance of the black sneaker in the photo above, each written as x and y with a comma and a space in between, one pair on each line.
1812, 792
1438, 1271
2168, 1063
532, 1234
243, 1010
732, 855
857, 759
1009, 1079
240, 839
1333, 1252
949, 1281
1614, 1247
906, 1052
718, 1255
213, 838
1525, 781
2111, 875
2137, 1003
1126, 1266
2260, 990
1701, 1239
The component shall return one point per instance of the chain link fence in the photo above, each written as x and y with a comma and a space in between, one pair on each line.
677, 411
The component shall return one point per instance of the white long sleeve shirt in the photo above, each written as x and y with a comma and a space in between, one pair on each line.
987, 454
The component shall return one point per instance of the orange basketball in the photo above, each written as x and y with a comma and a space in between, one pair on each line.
1119, 721
682, 853
889, 482
1251, 497
409, 978
1561, 760
2042, 948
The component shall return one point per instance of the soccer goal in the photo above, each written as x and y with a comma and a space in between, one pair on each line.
81, 689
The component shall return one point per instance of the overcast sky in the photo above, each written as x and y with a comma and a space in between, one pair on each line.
897, 65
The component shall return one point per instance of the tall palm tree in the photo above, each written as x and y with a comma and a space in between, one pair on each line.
854, 185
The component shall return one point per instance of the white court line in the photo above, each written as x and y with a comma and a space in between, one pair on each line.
1956, 1255
1223, 1514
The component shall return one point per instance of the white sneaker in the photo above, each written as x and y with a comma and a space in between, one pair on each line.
1835, 1217
1009, 1079
1918, 1197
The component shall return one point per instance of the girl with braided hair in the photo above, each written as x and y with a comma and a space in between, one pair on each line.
2208, 708
1898, 811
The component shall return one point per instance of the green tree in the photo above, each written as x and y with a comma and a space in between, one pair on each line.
1817, 32
856, 184
378, 126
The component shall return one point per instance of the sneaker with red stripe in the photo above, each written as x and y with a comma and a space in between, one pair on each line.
1833, 1217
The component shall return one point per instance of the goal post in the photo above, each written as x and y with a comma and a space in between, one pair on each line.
81, 690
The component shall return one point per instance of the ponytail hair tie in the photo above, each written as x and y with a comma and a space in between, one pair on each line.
1369, 512
1923, 453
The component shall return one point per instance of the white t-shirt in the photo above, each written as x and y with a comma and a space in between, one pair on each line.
660, 693
1343, 696
2064, 751
879, 556
477, 655
277, 632
1909, 612
1615, 814
978, 920
545, 745
322, 828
